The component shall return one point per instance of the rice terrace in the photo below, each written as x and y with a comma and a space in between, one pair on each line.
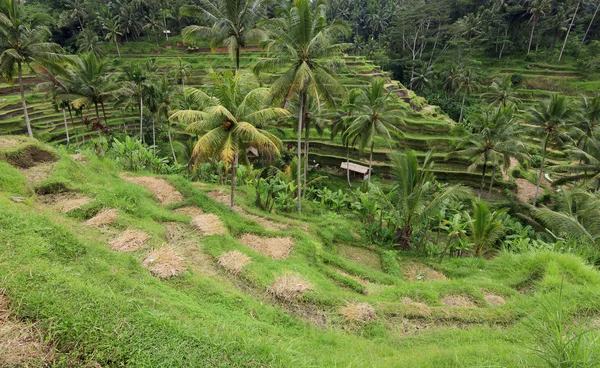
300, 183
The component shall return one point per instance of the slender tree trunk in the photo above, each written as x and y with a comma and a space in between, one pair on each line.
82, 128
481, 186
98, 118
23, 102
299, 163
234, 168
371, 162
171, 141
237, 57
153, 137
73, 123
104, 113
591, 22
118, 51
492, 182
503, 43
348, 165
462, 108
537, 187
531, 36
306, 154
569, 31
66, 126
141, 106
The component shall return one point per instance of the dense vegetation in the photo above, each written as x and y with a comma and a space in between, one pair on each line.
478, 121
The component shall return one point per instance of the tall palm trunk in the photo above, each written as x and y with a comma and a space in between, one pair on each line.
371, 161
234, 168
141, 107
66, 126
306, 153
171, 141
537, 187
118, 51
104, 113
299, 163
481, 186
98, 118
492, 182
462, 107
153, 138
591, 22
73, 123
348, 165
237, 57
531, 36
569, 31
23, 102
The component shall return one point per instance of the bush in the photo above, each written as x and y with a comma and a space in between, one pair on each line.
389, 263
516, 79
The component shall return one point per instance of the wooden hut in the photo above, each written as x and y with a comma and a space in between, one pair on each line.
357, 171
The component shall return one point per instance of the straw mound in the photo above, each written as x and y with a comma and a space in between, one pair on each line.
359, 313
289, 287
183, 239
10, 143
415, 307
39, 172
129, 241
164, 263
457, 301
494, 300
21, 345
103, 218
420, 272
234, 261
276, 248
79, 157
162, 189
189, 211
209, 224
65, 202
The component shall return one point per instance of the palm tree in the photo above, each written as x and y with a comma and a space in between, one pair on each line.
234, 24
57, 89
182, 73
494, 136
467, 84
113, 32
569, 30
591, 116
537, 9
587, 168
422, 78
415, 195
87, 41
342, 121
501, 92
137, 81
24, 42
302, 41
229, 119
76, 11
376, 118
160, 98
552, 120
485, 227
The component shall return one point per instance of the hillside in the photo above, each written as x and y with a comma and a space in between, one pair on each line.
106, 268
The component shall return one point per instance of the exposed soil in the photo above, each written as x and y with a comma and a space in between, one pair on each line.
164, 262
182, 237
361, 256
209, 224
130, 241
420, 272
103, 218
21, 344
494, 300
29, 157
457, 301
162, 189
276, 248
65, 202
525, 189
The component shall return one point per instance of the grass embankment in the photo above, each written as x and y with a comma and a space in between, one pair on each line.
95, 304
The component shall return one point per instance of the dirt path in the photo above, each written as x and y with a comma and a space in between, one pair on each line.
525, 188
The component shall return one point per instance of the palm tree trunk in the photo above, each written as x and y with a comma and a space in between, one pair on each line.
299, 163
98, 118
23, 102
306, 147
141, 106
371, 162
569, 31
153, 138
537, 187
104, 113
531, 36
492, 182
348, 165
171, 141
234, 168
73, 123
66, 126
591, 22
118, 51
482, 178
237, 57
462, 107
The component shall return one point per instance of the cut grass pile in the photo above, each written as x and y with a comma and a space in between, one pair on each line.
276, 248
164, 262
103, 218
129, 241
289, 287
359, 312
162, 189
209, 224
234, 261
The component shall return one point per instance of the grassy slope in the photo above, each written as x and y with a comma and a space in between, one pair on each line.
103, 306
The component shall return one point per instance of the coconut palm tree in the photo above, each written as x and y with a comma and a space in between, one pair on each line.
113, 32
136, 80
415, 195
182, 72
485, 229
24, 42
376, 117
302, 41
552, 119
342, 121
586, 167
228, 121
493, 137
537, 9
234, 24
160, 98
501, 92
467, 84
88, 41
590, 123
